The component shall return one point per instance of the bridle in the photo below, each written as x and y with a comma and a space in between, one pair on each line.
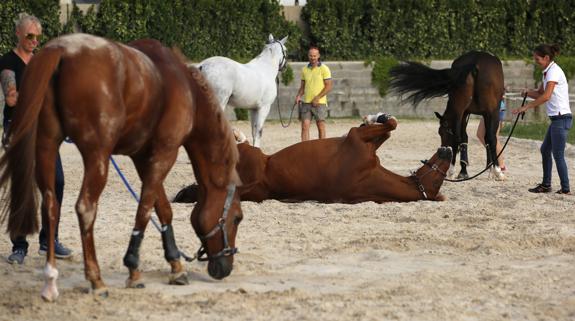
202, 254
283, 62
417, 180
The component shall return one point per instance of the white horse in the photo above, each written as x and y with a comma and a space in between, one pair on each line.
251, 86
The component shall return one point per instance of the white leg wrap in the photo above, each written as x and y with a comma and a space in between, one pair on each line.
50, 290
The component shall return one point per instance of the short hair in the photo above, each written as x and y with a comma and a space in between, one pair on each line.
313, 48
25, 18
550, 50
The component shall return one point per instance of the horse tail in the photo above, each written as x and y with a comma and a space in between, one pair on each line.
17, 165
423, 82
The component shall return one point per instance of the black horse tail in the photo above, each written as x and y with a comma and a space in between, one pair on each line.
422, 82
18, 164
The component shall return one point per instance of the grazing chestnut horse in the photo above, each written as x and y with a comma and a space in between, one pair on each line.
141, 101
334, 170
474, 85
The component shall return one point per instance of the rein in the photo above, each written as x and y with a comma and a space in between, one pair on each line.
202, 254
278, 104
501, 152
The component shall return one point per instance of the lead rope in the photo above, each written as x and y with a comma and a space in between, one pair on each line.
502, 149
278, 104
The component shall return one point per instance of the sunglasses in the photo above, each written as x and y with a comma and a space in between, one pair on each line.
32, 36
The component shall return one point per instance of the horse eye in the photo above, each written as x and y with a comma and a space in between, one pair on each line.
237, 220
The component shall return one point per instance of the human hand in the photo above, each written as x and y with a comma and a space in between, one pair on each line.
297, 99
315, 102
11, 97
519, 110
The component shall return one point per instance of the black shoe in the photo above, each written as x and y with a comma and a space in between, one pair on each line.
17, 256
540, 188
60, 251
565, 192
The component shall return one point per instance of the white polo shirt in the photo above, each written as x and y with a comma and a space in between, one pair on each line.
559, 101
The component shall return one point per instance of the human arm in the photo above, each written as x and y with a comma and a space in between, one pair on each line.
541, 96
327, 86
300, 92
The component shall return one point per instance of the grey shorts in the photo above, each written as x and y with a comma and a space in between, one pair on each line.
307, 110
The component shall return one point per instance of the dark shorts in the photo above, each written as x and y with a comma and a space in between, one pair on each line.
307, 110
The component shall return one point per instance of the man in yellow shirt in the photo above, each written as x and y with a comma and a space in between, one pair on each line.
315, 84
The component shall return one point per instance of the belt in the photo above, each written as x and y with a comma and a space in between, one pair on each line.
565, 116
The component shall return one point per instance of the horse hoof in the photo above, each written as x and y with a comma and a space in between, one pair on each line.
179, 279
462, 176
101, 293
49, 295
135, 284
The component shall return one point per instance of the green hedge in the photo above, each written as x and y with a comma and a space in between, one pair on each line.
343, 29
361, 29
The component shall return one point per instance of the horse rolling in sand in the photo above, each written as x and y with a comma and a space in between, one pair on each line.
139, 100
252, 85
474, 85
343, 170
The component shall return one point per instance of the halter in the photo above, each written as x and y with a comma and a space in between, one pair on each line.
283, 62
202, 254
417, 180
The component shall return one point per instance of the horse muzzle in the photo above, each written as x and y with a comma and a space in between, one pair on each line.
220, 268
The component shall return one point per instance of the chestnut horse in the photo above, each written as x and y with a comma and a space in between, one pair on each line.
139, 100
334, 170
474, 85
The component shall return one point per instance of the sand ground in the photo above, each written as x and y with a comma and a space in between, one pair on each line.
492, 251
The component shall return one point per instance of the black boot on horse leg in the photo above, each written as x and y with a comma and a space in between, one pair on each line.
132, 260
463, 161
172, 255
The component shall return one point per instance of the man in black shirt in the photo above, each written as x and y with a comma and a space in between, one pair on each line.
28, 31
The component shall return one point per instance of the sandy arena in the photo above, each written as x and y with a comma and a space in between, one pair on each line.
492, 251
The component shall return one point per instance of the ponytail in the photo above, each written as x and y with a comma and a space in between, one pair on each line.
551, 50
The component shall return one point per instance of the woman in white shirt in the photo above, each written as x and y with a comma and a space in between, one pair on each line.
555, 94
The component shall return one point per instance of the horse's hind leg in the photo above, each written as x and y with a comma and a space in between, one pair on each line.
45, 174
95, 176
152, 173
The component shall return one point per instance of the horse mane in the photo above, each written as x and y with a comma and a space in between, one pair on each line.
210, 119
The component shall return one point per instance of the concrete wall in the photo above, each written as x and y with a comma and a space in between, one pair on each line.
353, 94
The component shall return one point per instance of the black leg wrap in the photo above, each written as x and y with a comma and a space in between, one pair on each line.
463, 158
132, 257
171, 251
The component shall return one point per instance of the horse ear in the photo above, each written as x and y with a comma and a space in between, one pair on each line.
283, 41
270, 38
438, 115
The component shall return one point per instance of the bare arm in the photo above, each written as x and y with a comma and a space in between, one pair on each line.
300, 92
541, 96
327, 85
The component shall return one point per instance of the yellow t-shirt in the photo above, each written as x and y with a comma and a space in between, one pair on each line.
314, 78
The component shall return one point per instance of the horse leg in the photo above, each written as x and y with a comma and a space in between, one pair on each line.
152, 175
258, 117
377, 134
491, 125
95, 177
463, 158
46, 153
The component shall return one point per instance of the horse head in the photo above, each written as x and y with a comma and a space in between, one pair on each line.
212, 148
446, 130
430, 176
281, 54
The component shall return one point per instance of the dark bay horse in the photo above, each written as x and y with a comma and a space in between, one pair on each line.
343, 170
474, 85
139, 100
